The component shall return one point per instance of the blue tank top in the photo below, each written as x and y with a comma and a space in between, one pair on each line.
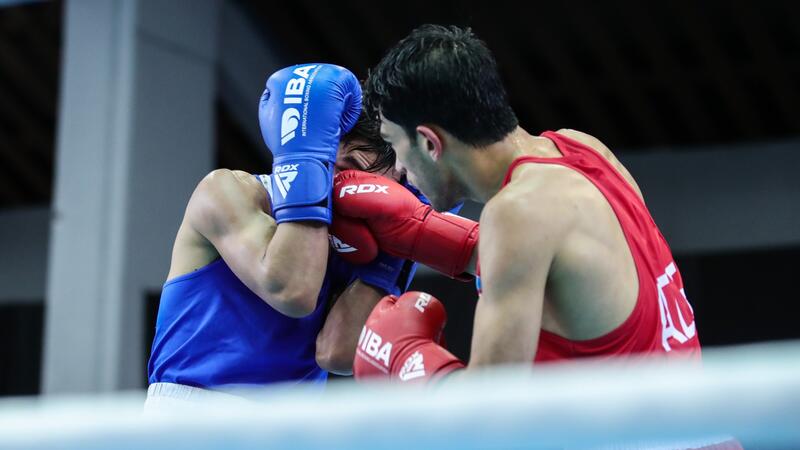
213, 331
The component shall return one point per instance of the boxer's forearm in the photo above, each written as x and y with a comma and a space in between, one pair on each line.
336, 343
295, 261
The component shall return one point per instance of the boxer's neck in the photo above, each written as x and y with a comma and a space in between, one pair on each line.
486, 167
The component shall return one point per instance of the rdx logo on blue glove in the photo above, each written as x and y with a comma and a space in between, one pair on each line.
293, 95
285, 168
286, 175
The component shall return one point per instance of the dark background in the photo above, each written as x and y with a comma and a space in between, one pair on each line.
641, 76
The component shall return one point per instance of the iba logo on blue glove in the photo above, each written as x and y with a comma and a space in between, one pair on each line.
293, 95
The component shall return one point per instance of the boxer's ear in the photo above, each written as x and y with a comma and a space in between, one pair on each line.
429, 139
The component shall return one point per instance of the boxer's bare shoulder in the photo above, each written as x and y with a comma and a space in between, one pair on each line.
222, 201
532, 215
546, 191
604, 151
228, 189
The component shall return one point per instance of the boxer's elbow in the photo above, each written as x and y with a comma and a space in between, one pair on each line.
291, 297
293, 304
334, 358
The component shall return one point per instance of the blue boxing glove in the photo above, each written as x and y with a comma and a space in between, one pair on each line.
304, 111
387, 273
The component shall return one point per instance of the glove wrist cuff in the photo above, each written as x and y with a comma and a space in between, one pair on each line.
424, 361
301, 189
446, 243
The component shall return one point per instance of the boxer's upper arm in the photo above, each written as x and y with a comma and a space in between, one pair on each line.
225, 211
222, 206
518, 242
285, 266
336, 342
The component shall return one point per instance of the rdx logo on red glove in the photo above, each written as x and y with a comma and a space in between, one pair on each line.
372, 344
364, 189
422, 301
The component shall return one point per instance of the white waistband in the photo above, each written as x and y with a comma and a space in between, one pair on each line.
184, 392
171, 398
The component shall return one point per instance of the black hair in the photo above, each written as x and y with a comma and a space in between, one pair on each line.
367, 131
442, 75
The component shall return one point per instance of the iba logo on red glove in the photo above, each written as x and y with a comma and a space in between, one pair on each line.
364, 189
372, 344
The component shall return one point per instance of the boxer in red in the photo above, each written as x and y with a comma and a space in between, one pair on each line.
571, 263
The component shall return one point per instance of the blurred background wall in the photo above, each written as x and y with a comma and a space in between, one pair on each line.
112, 110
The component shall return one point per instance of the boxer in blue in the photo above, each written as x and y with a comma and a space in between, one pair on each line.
254, 295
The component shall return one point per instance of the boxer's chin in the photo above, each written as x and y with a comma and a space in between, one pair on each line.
443, 201
393, 174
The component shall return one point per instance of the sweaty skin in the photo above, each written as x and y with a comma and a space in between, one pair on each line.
228, 217
552, 252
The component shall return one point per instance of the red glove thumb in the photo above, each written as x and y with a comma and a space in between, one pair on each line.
352, 240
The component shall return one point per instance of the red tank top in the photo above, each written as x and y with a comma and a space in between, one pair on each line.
662, 320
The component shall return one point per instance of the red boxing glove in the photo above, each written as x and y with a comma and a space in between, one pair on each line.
352, 240
402, 225
400, 340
